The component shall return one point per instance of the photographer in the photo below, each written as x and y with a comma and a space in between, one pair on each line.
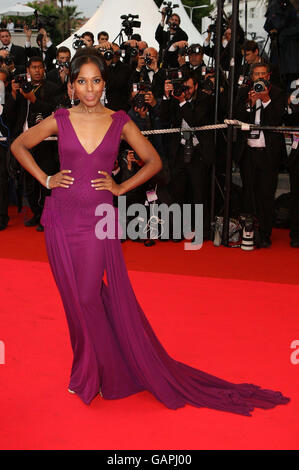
190, 155
260, 153
9, 49
195, 56
59, 75
131, 51
117, 86
46, 50
7, 118
88, 38
103, 36
250, 51
35, 99
147, 70
165, 39
224, 50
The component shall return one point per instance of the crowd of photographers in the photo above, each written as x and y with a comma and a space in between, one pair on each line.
173, 87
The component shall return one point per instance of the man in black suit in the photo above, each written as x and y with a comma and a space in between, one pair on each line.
33, 106
147, 70
167, 54
46, 50
189, 176
8, 48
59, 75
260, 153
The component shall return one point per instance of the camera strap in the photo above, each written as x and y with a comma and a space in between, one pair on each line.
255, 134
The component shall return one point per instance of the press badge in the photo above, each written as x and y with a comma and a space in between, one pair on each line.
254, 134
295, 144
151, 195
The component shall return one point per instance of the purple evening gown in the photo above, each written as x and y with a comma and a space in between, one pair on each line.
115, 350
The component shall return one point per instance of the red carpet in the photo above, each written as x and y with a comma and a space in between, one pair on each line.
229, 313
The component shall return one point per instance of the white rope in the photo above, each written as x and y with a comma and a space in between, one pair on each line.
245, 126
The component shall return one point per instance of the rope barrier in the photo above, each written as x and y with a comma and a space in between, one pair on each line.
244, 126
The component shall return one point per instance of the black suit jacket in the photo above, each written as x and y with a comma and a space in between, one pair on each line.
199, 113
50, 55
45, 104
19, 55
272, 115
157, 84
117, 87
163, 38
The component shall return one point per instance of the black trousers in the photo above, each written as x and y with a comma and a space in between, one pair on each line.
46, 156
259, 181
294, 183
190, 182
4, 181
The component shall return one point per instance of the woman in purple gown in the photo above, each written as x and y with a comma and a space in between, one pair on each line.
115, 351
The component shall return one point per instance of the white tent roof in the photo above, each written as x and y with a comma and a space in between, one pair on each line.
17, 10
107, 18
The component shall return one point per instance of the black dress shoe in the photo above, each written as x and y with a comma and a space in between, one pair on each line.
265, 242
33, 221
3, 227
40, 228
294, 243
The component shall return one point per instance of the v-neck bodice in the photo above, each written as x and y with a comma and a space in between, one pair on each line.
81, 199
102, 142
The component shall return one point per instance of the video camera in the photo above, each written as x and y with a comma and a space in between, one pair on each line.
169, 9
24, 82
78, 42
128, 24
177, 80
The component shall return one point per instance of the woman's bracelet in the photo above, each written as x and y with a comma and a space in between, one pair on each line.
47, 182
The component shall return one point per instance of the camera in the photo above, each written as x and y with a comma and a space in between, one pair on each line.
9, 60
169, 9
124, 156
260, 85
128, 23
213, 26
183, 51
60, 65
24, 82
176, 78
142, 86
108, 54
207, 84
78, 42
195, 49
148, 60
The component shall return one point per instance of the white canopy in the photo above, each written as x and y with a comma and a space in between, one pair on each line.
107, 18
17, 10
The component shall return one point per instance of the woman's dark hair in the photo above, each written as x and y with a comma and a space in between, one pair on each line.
85, 55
